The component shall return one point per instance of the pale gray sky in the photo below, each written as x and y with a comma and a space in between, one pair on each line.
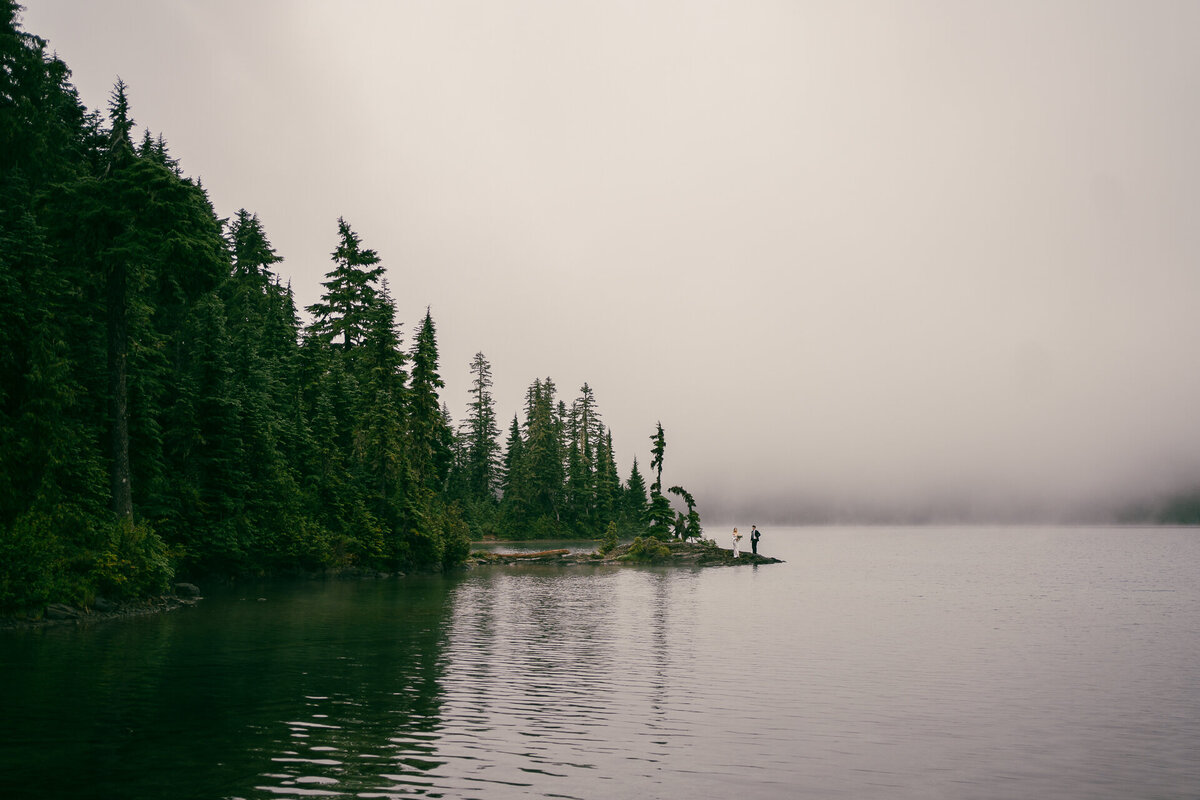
893, 254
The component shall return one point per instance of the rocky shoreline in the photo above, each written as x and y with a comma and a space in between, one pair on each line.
59, 614
699, 554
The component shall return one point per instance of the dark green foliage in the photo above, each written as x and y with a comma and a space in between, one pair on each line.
162, 412
481, 451
378, 437
663, 520
477, 476
456, 534
585, 436
1181, 507
659, 440
63, 554
634, 511
533, 502
647, 549
345, 308
560, 477
430, 436
1182, 510
609, 543
45, 132
660, 514
132, 563
687, 526
607, 482
513, 482
265, 475
32, 556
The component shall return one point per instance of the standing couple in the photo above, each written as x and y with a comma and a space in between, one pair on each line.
754, 537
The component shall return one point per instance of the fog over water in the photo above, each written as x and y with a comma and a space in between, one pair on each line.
861, 259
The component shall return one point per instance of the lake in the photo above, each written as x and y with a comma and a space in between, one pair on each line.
875, 663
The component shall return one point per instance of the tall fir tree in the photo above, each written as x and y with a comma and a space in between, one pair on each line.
636, 506
262, 328
608, 484
430, 435
514, 482
533, 501
660, 514
345, 307
585, 432
481, 457
382, 467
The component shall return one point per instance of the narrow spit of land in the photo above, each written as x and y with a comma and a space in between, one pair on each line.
700, 554
690, 554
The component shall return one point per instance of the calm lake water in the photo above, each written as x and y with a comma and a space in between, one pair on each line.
875, 663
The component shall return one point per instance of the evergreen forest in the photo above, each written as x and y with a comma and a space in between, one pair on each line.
165, 411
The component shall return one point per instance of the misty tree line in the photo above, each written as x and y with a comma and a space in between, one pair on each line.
163, 409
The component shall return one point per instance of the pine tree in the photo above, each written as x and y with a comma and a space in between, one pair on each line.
120, 138
589, 428
636, 507
430, 435
379, 435
608, 483
46, 418
205, 497
329, 402
147, 242
515, 490
137, 249
657, 451
120, 152
53, 486
253, 255
481, 457
534, 470
544, 456
46, 135
687, 527
660, 515
345, 307
585, 433
577, 495
262, 328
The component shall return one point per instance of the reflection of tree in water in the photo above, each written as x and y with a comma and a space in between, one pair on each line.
331, 688
535, 677
558, 678
366, 715
106, 678
531, 659
659, 651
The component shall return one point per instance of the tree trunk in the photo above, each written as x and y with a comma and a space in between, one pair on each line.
118, 393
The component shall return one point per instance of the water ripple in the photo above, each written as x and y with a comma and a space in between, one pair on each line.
876, 663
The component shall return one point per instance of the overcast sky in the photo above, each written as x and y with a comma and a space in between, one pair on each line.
851, 254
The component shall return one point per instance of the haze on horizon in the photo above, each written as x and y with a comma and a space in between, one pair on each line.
863, 260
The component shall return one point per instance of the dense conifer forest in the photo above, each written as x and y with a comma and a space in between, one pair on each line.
164, 411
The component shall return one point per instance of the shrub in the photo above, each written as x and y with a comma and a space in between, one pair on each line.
647, 549
546, 527
30, 562
609, 543
133, 562
457, 535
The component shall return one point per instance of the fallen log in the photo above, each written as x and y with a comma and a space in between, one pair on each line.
542, 554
